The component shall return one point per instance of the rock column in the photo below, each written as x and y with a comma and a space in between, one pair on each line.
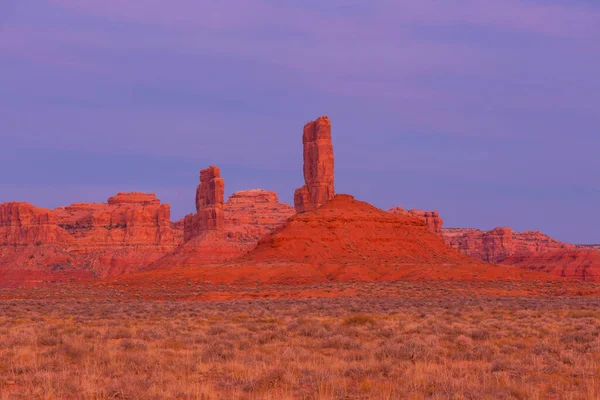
318, 166
209, 205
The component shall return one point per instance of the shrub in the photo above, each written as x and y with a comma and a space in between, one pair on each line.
360, 319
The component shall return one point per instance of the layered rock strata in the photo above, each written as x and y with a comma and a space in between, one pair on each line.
84, 239
432, 218
252, 214
318, 166
530, 250
209, 205
497, 245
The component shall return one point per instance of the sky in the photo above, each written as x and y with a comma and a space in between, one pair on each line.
485, 110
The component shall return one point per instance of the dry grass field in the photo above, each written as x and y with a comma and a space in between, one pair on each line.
444, 348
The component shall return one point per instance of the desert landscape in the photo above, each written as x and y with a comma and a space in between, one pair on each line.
251, 298
316, 200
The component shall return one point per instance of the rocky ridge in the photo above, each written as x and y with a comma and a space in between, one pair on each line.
531, 250
432, 218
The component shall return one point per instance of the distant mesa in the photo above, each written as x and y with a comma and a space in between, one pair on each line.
432, 218
528, 250
140, 199
23, 224
323, 237
83, 240
497, 245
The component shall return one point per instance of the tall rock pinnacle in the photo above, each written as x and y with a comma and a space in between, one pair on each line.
318, 166
209, 205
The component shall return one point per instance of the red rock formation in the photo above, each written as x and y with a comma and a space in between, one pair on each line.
39, 265
251, 214
498, 244
204, 238
318, 166
135, 198
208, 248
130, 231
528, 250
128, 219
179, 224
432, 218
573, 263
349, 240
346, 230
24, 224
589, 246
209, 205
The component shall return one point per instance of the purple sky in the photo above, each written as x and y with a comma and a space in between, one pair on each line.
486, 110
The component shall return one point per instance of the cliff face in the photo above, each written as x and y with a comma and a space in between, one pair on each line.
574, 263
205, 241
209, 214
318, 166
497, 245
127, 219
432, 218
23, 224
252, 214
84, 239
527, 250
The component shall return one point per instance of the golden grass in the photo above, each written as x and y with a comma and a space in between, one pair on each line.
519, 348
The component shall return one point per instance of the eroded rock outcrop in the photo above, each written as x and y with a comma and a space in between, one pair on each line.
349, 240
209, 205
205, 242
432, 218
127, 219
530, 250
318, 166
497, 245
252, 214
85, 239
24, 224
572, 263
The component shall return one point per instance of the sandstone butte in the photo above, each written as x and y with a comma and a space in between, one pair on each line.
337, 238
83, 240
128, 233
529, 250
345, 240
219, 232
329, 237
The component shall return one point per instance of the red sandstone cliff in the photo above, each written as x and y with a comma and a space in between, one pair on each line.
127, 219
23, 224
84, 239
252, 214
128, 232
528, 250
204, 238
497, 245
209, 214
318, 166
432, 218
